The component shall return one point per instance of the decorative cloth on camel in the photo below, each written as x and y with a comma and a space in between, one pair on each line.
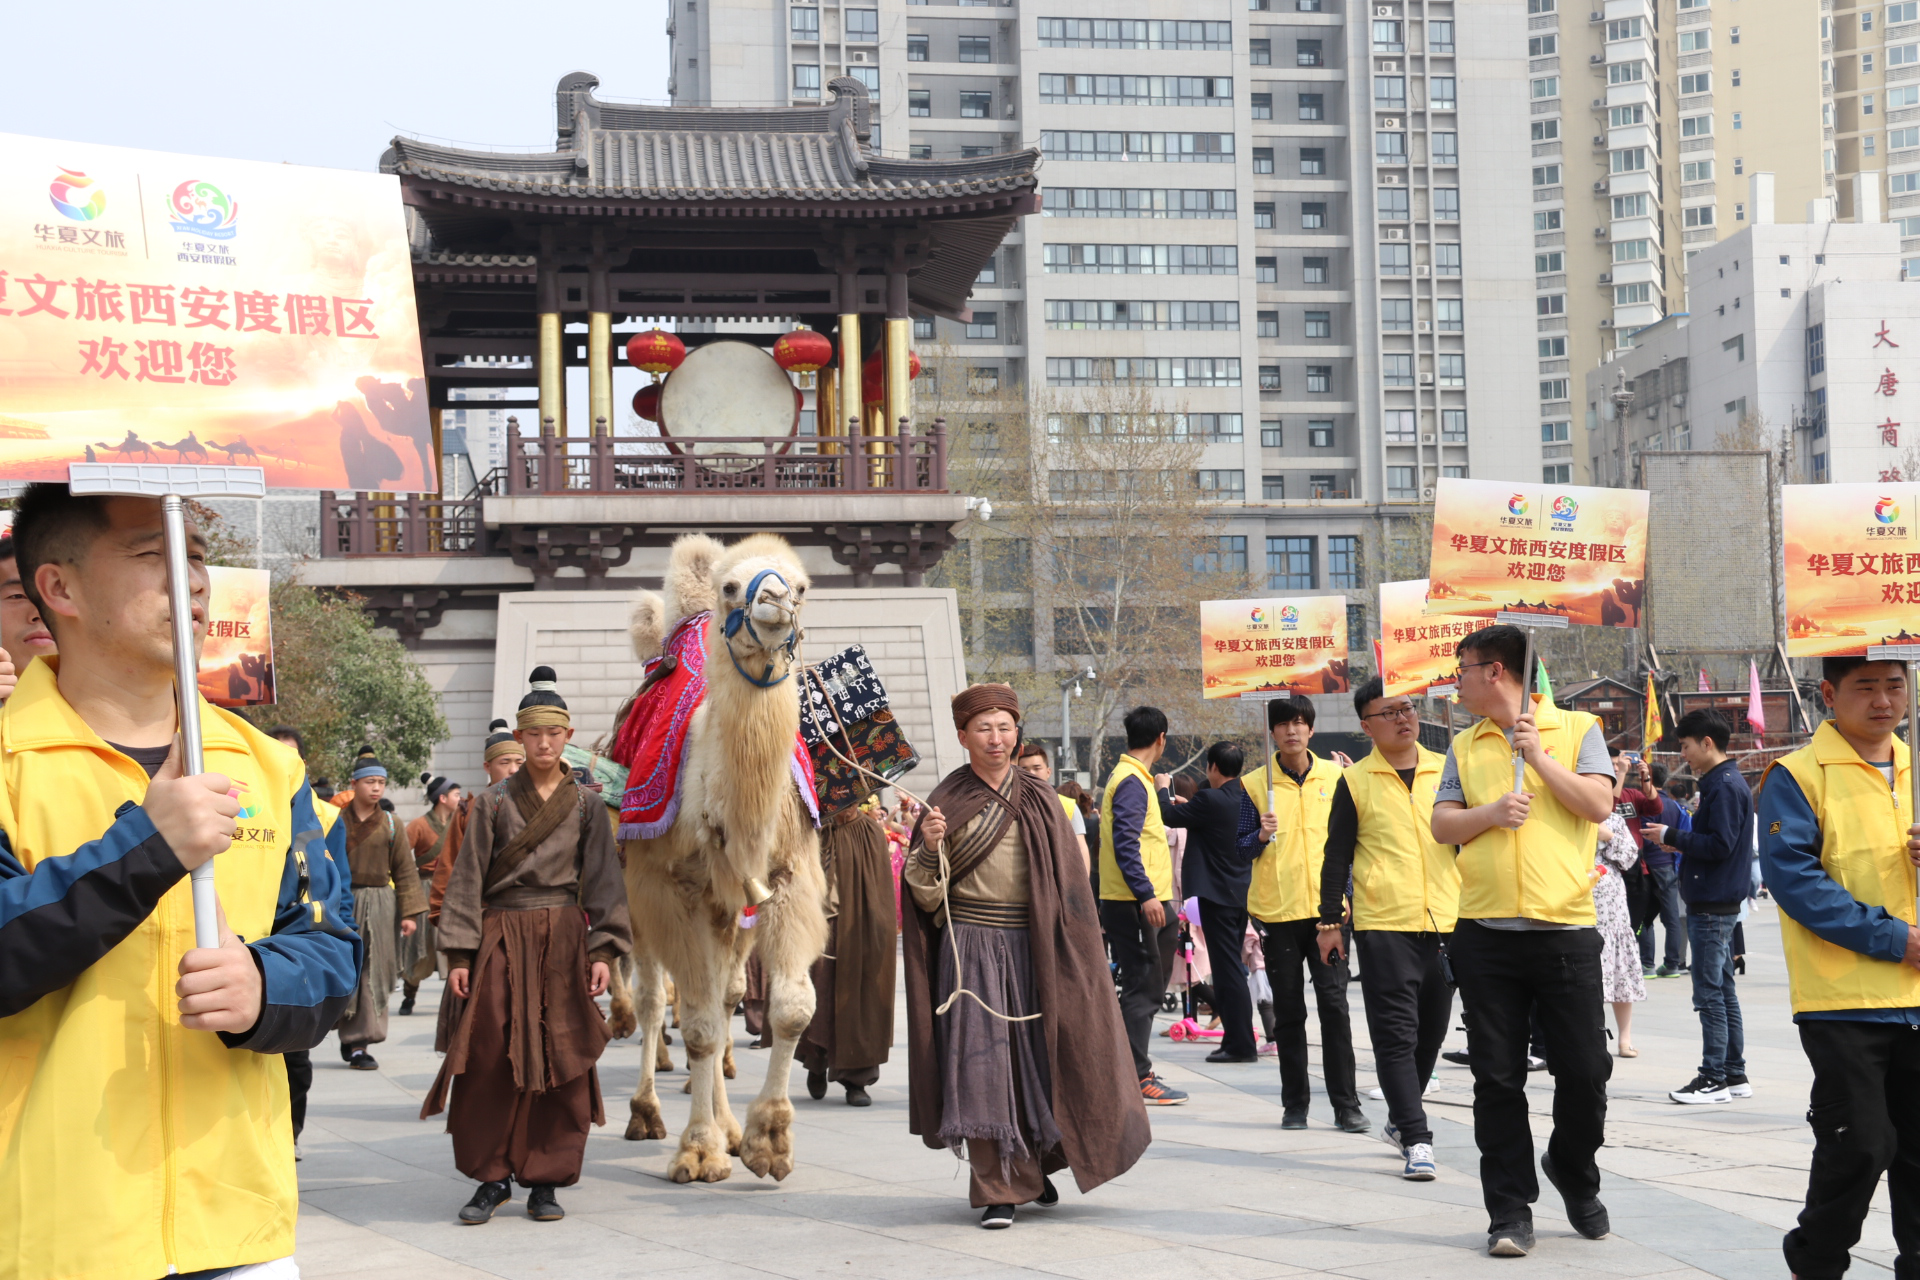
653, 740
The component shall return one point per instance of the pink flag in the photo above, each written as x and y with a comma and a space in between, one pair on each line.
1756, 712
1706, 686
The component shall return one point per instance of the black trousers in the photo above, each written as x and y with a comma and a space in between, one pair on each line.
1505, 975
1289, 945
1225, 927
1865, 1113
1144, 956
1409, 1006
299, 1080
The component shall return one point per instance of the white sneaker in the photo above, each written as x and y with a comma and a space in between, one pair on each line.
1738, 1087
1378, 1095
1702, 1091
1420, 1166
1433, 1082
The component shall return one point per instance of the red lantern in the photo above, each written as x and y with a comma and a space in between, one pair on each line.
875, 367
656, 351
646, 402
803, 351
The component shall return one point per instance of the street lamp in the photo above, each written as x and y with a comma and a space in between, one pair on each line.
1069, 690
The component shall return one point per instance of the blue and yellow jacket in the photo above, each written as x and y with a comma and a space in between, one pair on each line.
130, 1146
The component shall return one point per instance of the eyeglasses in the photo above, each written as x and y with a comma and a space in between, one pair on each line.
1464, 667
1405, 711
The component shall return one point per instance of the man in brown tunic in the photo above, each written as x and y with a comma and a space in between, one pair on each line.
382, 866
427, 836
534, 917
852, 1029
1014, 1042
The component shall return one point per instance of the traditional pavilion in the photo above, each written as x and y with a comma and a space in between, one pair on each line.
643, 214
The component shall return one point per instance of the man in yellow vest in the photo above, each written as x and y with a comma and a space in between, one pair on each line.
1838, 846
139, 1066
1297, 787
1136, 890
1527, 938
1032, 758
1406, 892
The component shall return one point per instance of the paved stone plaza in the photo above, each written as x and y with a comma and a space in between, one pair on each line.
1222, 1192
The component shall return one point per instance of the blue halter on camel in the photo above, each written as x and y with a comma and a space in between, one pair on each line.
743, 616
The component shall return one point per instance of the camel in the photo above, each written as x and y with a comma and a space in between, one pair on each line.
741, 837
236, 450
132, 446
182, 448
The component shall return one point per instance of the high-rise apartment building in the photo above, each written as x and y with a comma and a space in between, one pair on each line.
1295, 220
1645, 118
1871, 78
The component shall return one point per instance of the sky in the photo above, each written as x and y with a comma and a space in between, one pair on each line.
325, 84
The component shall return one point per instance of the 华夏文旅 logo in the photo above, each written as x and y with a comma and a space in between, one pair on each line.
1257, 615
1886, 511
1289, 617
1565, 509
202, 209
74, 194
1517, 504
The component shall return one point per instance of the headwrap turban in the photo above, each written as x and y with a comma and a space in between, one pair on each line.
976, 698
543, 705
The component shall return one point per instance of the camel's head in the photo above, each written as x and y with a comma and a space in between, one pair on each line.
759, 589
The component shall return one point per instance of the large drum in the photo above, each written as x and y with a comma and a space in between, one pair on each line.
730, 390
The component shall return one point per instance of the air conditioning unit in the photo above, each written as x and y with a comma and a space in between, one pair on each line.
1599, 104
1423, 271
1595, 59
1606, 277
1395, 233
1606, 324
1600, 188
1599, 233
1426, 326
1426, 437
1653, 411
1426, 379
1427, 493
858, 57
1680, 401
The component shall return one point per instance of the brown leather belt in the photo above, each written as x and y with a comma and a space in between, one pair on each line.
523, 898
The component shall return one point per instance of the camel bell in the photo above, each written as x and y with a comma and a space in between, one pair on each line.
757, 891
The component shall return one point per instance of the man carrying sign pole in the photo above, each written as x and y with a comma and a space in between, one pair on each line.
1526, 937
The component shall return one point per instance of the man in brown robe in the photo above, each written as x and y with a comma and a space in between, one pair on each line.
427, 836
852, 1029
1014, 1044
382, 867
534, 918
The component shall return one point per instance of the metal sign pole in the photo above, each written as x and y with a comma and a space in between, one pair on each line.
1527, 622
172, 485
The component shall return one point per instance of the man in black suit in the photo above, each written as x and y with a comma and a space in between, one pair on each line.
1224, 835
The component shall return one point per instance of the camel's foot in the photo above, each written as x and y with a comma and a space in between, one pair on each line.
767, 1147
662, 1060
726, 1062
700, 1159
686, 1086
734, 1137
646, 1121
622, 1021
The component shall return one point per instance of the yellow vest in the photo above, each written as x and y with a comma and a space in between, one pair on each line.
1067, 805
1154, 854
130, 1146
1863, 837
1403, 879
1285, 883
1543, 870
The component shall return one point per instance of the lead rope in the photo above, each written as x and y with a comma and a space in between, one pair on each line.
946, 868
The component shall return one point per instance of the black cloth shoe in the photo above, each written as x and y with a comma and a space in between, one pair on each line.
1456, 1056
1588, 1216
857, 1096
1221, 1055
487, 1197
1294, 1119
346, 1053
816, 1085
1352, 1120
362, 1061
544, 1206
998, 1217
1512, 1240
406, 1007
1049, 1194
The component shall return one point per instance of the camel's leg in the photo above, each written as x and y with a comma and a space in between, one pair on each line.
768, 1145
620, 1015
663, 1061
703, 1145
736, 992
646, 1121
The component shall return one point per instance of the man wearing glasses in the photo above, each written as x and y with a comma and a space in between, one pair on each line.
1527, 938
1406, 891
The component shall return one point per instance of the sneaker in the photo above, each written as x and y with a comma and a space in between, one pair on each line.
1291, 1119
1514, 1240
1665, 972
1352, 1120
1433, 1082
998, 1217
1049, 1194
487, 1197
543, 1206
1646, 971
1390, 1132
1458, 1057
297, 1156
1270, 1049
1588, 1216
1536, 1063
1737, 1086
362, 1061
1420, 1166
1701, 1091
1155, 1092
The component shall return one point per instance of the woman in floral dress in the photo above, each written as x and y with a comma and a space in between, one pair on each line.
1620, 979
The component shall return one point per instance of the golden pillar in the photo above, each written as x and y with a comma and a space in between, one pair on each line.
553, 376
848, 398
826, 408
600, 372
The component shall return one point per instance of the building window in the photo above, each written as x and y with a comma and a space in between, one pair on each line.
1266, 271
922, 328
976, 48
1290, 564
1399, 426
803, 21
1446, 204
1263, 159
1630, 295
1629, 207
1386, 38
1226, 485
1402, 485
1392, 203
1306, 53
1268, 324
1545, 130
1546, 175
1901, 139
1390, 147
919, 151
1697, 82
1270, 377
984, 325
1548, 263
917, 49
1273, 488
1321, 485
1263, 106
1560, 474
1453, 425
975, 104
1313, 216
1396, 370
1543, 46
1626, 72
1319, 324
806, 80
1448, 316
1632, 250
1737, 344
1550, 304
1228, 554
1898, 13
983, 380
1554, 432
1390, 93
1260, 52
1698, 216
1440, 37
1313, 270
1343, 563
1816, 350
971, 153
1901, 183
1320, 435
1446, 148
1319, 379
1396, 314
989, 273
1446, 259
1396, 259
1553, 389
1313, 160
863, 25
919, 102
1628, 160
1262, 217
1453, 370
1440, 93
1270, 433
1553, 348
1313, 106
1544, 87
